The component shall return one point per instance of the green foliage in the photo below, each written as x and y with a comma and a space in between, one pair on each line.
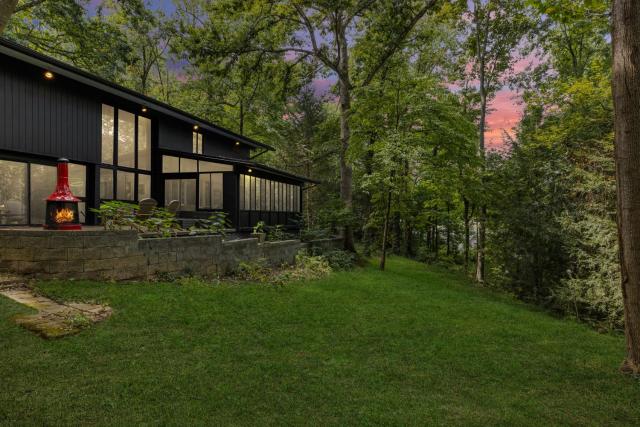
259, 227
217, 223
116, 215
306, 267
340, 260
277, 233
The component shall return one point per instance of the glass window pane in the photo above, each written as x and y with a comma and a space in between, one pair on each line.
216, 191
144, 143
200, 143
205, 191
247, 192
258, 193
78, 179
290, 198
82, 210
171, 190
107, 134
267, 196
170, 164
214, 167
276, 206
126, 186
106, 184
144, 186
194, 143
187, 195
188, 165
43, 182
126, 139
253, 193
241, 195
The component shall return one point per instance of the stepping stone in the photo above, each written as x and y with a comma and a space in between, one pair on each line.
53, 319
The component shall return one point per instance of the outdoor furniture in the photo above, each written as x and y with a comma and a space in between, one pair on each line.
146, 208
173, 207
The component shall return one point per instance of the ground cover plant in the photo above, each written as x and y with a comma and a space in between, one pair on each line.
411, 345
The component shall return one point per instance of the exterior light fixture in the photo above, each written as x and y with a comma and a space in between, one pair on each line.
237, 143
195, 127
48, 75
144, 109
249, 170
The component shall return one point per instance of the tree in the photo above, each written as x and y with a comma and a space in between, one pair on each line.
324, 32
626, 92
497, 28
6, 10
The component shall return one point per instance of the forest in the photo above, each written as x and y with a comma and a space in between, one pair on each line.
386, 104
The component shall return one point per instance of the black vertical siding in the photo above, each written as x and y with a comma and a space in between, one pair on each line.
51, 118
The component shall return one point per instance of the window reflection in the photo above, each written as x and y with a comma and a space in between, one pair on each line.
43, 182
106, 184
13, 192
126, 139
107, 134
125, 186
144, 143
144, 186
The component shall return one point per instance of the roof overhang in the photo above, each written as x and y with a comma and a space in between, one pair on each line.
29, 56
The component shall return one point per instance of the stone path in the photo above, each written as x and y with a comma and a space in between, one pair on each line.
53, 319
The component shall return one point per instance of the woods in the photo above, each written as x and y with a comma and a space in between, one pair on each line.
389, 103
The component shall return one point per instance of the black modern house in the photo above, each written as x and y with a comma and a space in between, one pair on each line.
124, 146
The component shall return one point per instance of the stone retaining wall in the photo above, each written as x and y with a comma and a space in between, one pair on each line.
121, 255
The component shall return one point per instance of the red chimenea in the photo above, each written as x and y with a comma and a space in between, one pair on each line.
62, 206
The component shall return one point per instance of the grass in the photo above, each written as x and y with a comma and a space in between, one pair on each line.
410, 346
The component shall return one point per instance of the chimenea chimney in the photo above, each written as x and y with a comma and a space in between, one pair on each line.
62, 205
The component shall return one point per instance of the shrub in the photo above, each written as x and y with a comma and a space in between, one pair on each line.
217, 223
307, 267
340, 260
276, 233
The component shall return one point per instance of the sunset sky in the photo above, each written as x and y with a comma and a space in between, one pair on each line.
506, 108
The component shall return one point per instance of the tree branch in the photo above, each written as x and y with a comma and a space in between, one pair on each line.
395, 44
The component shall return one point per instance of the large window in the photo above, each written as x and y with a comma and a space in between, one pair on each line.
171, 164
259, 194
124, 175
108, 133
197, 143
42, 182
182, 190
13, 192
24, 188
126, 139
210, 190
144, 143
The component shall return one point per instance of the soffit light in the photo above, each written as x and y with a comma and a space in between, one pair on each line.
48, 75
144, 109
237, 143
249, 170
195, 127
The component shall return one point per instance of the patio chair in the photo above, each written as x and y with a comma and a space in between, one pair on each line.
173, 207
146, 208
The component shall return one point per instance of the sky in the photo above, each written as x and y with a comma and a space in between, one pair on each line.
505, 109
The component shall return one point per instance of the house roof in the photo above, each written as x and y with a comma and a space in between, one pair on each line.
246, 163
37, 59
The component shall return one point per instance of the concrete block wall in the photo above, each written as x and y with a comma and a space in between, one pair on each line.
122, 255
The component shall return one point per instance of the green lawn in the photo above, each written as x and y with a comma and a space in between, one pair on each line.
411, 346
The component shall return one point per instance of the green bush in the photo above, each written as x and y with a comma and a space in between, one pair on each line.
340, 260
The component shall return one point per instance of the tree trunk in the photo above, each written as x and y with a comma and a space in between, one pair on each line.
480, 242
385, 233
626, 93
6, 10
346, 173
467, 219
481, 245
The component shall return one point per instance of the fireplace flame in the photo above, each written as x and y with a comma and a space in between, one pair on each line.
63, 215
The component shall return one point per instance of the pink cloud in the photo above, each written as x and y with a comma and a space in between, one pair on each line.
506, 112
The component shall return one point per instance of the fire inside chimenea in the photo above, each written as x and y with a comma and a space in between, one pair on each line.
62, 205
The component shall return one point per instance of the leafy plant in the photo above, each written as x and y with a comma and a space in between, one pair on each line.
276, 233
116, 215
217, 223
259, 227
